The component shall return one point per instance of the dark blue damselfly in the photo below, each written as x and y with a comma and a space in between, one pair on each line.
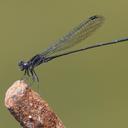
76, 35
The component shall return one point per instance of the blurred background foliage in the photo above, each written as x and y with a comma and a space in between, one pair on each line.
86, 90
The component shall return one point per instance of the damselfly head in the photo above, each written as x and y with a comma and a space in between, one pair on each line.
23, 65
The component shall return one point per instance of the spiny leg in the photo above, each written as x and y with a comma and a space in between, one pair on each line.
32, 74
25, 72
35, 75
28, 73
24, 75
36, 79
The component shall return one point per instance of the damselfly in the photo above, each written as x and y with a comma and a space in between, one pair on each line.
76, 35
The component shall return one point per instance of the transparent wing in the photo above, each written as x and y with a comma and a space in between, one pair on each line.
77, 34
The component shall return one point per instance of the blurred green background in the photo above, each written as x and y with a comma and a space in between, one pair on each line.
86, 90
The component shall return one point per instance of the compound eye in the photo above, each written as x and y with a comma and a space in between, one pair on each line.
21, 65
